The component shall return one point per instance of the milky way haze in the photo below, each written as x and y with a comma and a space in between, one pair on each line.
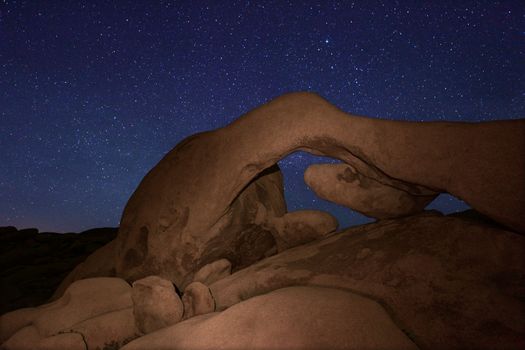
94, 93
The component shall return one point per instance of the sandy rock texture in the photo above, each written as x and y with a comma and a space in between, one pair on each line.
197, 300
155, 304
344, 185
289, 318
300, 227
198, 204
213, 272
447, 282
151, 250
92, 313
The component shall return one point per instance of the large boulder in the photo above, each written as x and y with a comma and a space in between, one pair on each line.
198, 204
197, 300
167, 243
448, 282
289, 318
155, 304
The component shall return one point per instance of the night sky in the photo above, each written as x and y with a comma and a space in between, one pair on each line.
94, 93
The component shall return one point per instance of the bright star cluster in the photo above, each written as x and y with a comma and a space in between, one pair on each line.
94, 93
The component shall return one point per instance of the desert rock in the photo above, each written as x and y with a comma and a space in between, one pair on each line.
241, 241
449, 282
300, 227
184, 213
289, 318
342, 184
83, 300
197, 300
112, 329
213, 272
155, 304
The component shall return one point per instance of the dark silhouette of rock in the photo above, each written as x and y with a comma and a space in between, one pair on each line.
33, 264
101, 263
184, 214
447, 282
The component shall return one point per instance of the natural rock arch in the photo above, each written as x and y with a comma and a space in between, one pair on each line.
185, 202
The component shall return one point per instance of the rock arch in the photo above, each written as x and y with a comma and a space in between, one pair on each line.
185, 202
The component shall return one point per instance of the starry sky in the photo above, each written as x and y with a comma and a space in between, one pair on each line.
94, 93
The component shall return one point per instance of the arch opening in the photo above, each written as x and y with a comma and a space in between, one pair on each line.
299, 196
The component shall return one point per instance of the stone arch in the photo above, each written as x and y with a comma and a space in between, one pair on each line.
206, 172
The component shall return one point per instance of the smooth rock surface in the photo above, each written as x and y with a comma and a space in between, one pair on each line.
108, 330
449, 282
101, 263
197, 300
155, 304
82, 301
155, 249
344, 185
213, 272
300, 227
289, 318
186, 211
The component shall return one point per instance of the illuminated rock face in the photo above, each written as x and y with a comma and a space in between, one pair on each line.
342, 184
155, 304
443, 279
93, 313
199, 203
289, 318
211, 218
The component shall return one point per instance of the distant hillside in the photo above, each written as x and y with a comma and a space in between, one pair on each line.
33, 264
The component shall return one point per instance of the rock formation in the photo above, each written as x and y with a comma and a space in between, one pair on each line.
156, 305
447, 282
286, 319
92, 313
149, 250
300, 227
213, 272
342, 184
210, 217
197, 300
186, 212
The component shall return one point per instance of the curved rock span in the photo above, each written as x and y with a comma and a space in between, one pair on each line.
187, 211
